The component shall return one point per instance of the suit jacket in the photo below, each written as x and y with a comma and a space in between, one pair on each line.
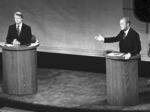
24, 37
130, 44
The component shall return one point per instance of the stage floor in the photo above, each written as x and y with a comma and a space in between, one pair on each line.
77, 89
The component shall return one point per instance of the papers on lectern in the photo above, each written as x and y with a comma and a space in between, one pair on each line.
115, 54
34, 44
2, 43
10, 45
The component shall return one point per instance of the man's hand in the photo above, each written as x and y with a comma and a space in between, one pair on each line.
127, 56
15, 42
99, 38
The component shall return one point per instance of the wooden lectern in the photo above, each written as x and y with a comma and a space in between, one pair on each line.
19, 69
122, 79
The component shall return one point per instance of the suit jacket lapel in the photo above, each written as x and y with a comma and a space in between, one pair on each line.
15, 30
129, 32
14, 27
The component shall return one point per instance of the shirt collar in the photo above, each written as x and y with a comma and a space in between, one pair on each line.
20, 25
126, 32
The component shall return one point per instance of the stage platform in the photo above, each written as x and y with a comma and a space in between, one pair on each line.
61, 88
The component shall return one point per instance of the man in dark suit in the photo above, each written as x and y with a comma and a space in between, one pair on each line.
19, 33
129, 40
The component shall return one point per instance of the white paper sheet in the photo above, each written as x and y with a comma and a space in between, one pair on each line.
115, 54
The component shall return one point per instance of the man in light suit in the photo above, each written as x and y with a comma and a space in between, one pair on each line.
129, 40
19, 33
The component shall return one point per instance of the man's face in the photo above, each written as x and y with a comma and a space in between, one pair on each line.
18, 19
123, 24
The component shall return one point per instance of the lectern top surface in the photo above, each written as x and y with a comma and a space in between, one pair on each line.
120, 56
18, 47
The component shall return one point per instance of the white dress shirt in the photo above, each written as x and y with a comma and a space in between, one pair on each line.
20, 26
126, 32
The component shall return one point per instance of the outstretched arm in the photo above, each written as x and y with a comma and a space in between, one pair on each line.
109, 39
113, 39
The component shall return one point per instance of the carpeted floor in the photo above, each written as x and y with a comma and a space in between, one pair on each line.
67, 88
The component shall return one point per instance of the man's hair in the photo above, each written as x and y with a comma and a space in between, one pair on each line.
126, 19
18, 14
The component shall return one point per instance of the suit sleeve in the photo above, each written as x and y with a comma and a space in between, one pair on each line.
29, 36
113, 39
137, 45
9, 39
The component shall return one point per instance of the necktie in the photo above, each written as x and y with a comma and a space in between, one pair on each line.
124, 35
18, 31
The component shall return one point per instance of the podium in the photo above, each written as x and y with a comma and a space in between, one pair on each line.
122, 79
19, 69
